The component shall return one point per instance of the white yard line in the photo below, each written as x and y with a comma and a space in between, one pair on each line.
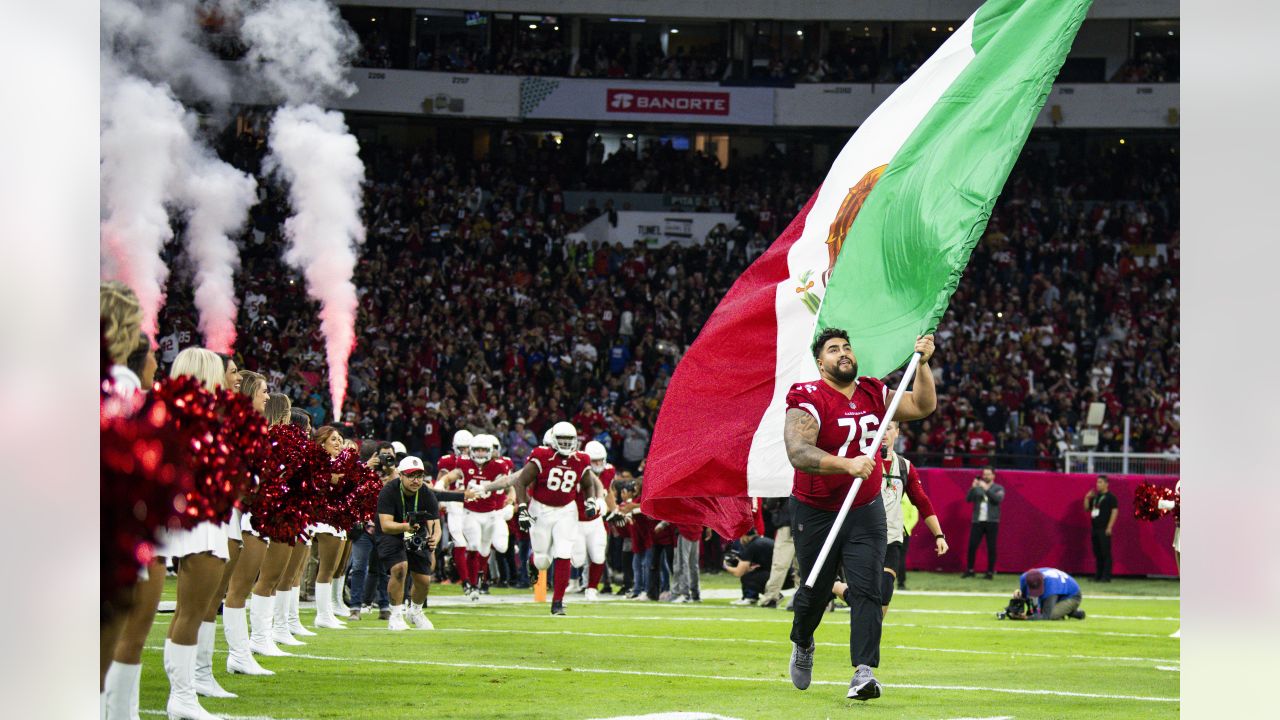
759, 641
671, 716
724, 678
1089, 596
225, 717
999, 627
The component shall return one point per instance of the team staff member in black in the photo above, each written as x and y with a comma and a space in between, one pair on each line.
404, 505
830, 424
1103, 510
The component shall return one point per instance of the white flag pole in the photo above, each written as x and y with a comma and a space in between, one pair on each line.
857, 482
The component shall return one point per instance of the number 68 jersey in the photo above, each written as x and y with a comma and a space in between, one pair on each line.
846, 427
558, 476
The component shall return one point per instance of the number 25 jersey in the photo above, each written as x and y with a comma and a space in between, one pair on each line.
846, 427
558, 476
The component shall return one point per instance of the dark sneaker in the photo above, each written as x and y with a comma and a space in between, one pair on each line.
557, 608
1077, 614
484, 587
770, 603
966, 574
384, 614
864, 685
989, 575
802, 665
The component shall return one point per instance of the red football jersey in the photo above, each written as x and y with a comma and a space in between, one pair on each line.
447, 464
606, 479
473, 475
846, 427
558, 476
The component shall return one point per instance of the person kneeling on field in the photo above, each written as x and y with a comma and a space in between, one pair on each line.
1044, 594
751, 565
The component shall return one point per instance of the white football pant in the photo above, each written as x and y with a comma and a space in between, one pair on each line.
553, 533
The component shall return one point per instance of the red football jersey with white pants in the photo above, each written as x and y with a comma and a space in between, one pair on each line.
455, 515
846, 427
552, 506
592, 539
485, 526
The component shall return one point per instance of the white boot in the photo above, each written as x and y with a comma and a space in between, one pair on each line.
260, 640
240, 660
280, 621
122, 691
296, 628
324, 608
340, 608
180, 666
205, 683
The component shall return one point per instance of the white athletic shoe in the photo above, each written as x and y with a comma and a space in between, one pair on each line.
397, 621
574, 586
419, 619
744, 601
591, 594
680, 599
474, 595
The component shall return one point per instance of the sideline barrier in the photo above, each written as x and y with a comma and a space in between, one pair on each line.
1043, 523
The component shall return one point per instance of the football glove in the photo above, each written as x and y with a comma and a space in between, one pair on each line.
523, 519
591, 507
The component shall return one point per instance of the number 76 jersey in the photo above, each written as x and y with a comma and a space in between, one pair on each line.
846, 427
558, 476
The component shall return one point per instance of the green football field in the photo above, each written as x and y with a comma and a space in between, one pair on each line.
943, 655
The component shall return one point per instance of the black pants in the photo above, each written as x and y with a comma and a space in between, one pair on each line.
1102, 553
754, 581
977, 531
859, 549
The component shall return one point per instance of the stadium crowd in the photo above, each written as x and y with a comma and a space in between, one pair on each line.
1070, 298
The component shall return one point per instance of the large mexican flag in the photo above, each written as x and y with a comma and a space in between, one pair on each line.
878, 250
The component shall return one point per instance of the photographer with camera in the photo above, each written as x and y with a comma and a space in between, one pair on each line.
751, 565
1044, 594
405, 535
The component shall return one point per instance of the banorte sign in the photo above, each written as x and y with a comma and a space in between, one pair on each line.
669, 102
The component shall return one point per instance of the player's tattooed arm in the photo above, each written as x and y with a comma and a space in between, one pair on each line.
800, 433
520, 480
595, 488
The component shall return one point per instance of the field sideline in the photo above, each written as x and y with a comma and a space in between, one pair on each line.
944, 655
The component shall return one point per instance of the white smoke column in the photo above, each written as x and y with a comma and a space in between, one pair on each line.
301, 48
312, 150
161, 41
146, 137
217, 197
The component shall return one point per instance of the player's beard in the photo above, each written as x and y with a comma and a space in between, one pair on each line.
844, 377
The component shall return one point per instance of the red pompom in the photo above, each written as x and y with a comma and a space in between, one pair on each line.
287, 498
343, 502
1146, 498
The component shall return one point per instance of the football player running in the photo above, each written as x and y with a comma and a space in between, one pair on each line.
486, 526
593, 539
545, 488
455, 514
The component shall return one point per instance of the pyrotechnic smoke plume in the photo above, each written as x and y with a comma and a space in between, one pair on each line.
146, 135
301, 48
312, 150
158, 40
217, 197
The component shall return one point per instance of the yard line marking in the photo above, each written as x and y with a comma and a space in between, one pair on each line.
1092, 596
925, 611
225, 717
761, 641
997, 627
726, 678
1168, 669
672, 716
1001, 717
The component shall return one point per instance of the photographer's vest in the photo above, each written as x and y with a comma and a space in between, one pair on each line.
895, 478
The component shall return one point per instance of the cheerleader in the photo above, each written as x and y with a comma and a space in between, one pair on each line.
285, 624
201, 553
259, 560
329, 542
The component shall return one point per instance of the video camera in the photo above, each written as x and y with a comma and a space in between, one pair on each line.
386, 460
419, 543
1019, 608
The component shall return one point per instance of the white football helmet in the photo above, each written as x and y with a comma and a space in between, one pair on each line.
564, 438
482, 448
462, 443
549, 438
595, 450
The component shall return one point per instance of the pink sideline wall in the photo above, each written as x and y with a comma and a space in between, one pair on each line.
1043, 523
